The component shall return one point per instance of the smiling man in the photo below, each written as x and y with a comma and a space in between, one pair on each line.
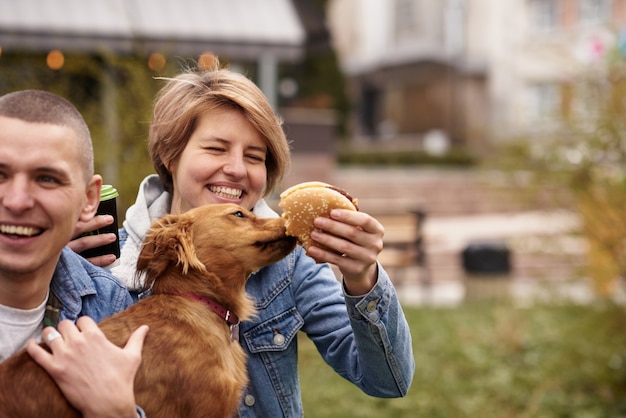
47, 184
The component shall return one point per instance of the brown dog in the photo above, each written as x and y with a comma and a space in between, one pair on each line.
197, 265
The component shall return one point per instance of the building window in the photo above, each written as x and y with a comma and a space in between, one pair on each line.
594, 11
405, 22
544, 102
544, 14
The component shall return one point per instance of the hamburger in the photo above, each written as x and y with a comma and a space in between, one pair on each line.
306, 201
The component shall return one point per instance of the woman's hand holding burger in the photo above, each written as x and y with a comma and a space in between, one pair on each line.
327, 223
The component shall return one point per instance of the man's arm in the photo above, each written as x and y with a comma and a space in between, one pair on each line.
95, 375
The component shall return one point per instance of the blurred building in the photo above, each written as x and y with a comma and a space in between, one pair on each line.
467, 71
255, 37
242, 30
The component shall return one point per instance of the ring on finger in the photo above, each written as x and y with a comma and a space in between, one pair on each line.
53, 335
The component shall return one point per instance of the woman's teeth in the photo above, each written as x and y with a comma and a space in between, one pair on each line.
226, 192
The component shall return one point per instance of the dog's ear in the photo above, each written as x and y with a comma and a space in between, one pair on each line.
169, 241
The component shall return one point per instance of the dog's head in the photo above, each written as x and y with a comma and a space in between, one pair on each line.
210, 248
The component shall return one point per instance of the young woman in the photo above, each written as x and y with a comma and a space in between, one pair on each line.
215, 139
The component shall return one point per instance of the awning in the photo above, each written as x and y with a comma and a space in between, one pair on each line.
240, 29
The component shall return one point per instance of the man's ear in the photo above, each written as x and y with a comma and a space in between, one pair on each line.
92, 198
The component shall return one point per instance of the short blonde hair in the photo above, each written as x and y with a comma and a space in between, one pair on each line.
188, 95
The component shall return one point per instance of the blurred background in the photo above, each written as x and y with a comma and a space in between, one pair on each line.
486, 135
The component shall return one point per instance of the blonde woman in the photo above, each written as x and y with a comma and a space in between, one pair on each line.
215, 139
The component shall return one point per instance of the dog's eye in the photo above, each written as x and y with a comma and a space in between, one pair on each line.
239, 214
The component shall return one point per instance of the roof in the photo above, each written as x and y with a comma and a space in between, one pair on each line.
237, 28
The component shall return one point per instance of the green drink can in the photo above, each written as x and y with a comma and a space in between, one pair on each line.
108, 206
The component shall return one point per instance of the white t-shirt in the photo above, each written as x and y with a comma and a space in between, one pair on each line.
17, 326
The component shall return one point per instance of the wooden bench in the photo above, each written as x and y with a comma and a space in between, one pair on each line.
403, 255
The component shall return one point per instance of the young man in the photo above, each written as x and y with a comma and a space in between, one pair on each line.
47, 185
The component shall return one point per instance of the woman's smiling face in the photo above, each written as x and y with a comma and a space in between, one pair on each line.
223, 162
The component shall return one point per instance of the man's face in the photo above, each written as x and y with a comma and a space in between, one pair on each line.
42, 195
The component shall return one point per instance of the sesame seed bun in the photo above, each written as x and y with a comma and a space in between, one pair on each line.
304, 202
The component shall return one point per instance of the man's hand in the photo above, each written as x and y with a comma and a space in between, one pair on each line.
95, 375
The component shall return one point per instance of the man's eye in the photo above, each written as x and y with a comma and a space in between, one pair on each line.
48, 179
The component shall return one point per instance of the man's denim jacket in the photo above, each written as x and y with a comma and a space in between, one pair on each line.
84, 289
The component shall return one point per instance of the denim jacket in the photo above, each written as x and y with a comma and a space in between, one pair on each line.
84, 289
365, 339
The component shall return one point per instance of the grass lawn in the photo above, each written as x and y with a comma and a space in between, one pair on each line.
493, 360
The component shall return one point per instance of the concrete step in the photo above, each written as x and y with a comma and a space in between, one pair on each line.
438, 192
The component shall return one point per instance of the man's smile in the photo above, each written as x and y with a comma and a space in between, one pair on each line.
19, 230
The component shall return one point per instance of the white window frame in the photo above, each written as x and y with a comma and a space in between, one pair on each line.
405, 24
544, 103
593, 12
545, 14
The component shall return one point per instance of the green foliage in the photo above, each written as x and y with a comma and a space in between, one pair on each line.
492, 360
114, 95
125, 143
